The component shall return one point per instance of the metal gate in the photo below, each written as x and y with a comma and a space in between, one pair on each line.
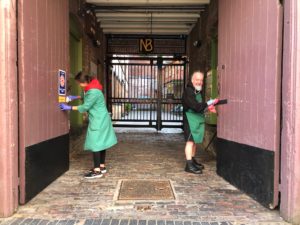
146, 92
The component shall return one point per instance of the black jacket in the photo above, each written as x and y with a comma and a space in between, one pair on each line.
189, 100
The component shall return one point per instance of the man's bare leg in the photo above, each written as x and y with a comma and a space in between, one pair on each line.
199, 165
194, 150
190, 167
189, 150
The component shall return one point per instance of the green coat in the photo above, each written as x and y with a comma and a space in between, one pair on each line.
100, 134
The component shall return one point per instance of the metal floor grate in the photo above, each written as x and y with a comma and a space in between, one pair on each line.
146, 190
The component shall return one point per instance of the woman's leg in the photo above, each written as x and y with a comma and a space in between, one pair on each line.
102, 157
97, 158
102, 161
95, 172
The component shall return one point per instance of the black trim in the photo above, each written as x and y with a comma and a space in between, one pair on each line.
45, 162
248, 168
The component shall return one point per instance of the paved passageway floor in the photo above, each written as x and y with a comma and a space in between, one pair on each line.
200, 199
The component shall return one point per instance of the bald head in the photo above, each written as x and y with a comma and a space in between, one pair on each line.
197, 80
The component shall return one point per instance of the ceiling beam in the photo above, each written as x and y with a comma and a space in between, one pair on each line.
148, 10
147, 2
142, 26
144, 23
146, 31
149, 15
147, 19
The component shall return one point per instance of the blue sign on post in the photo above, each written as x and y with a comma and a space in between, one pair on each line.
62, 85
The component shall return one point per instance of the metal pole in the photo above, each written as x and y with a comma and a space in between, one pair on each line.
159, 93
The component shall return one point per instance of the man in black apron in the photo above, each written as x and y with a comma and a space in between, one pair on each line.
193, 120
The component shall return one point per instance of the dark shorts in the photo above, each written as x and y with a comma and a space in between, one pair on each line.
186, 128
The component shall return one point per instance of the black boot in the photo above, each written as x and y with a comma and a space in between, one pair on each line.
191, 168
197, 164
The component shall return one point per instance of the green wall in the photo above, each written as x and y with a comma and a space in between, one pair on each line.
76, 118
212, 84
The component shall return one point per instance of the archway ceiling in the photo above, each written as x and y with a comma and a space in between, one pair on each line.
157, 17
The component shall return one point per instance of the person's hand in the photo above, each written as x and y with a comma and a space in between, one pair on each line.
71, 98
212, 101
65, 107
212, 109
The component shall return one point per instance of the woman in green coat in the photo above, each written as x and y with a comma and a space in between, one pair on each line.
100, 133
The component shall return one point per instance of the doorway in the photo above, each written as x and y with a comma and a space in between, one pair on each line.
146, 91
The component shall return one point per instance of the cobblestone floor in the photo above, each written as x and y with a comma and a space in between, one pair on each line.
200, 199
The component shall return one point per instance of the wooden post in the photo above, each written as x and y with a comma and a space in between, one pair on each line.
290, 140
8, 109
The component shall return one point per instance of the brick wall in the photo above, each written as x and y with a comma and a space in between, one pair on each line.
91, 53
204, 30
200, 56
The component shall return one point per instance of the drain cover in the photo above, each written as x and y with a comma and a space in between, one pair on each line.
146, 190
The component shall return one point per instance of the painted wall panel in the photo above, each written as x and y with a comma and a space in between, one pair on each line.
249, 72
43, 50
8, 109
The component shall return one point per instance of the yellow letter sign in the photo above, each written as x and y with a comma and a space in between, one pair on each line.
146, 45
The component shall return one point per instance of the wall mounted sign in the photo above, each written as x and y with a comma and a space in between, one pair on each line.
169, 45
62, 86
146, 45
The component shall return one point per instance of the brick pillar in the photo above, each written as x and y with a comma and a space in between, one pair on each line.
8, 110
